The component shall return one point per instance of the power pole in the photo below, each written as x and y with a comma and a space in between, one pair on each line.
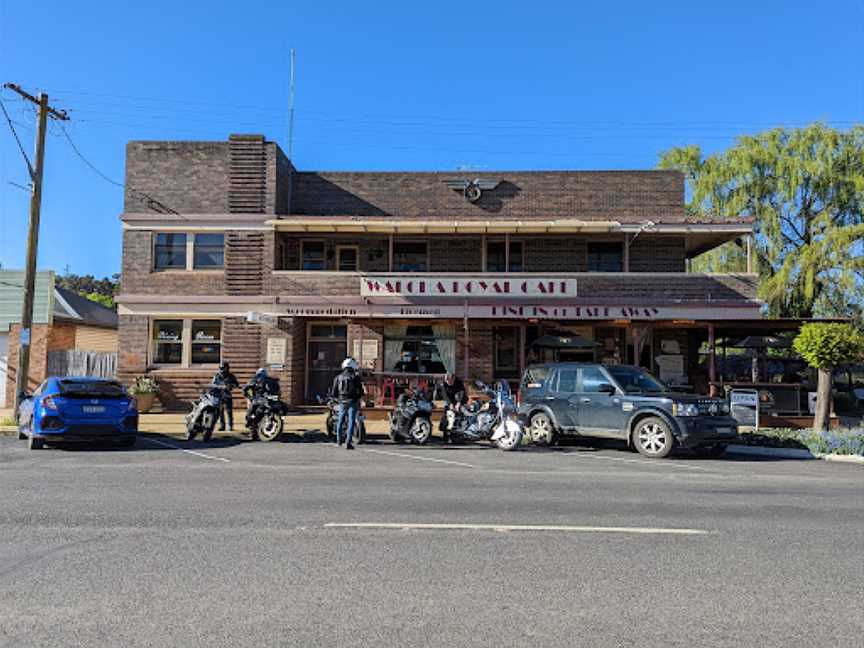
24, 332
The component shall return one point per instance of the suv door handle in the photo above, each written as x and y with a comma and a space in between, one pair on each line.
584, 400
550, 398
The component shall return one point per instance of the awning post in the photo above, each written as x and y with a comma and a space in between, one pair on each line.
712, 361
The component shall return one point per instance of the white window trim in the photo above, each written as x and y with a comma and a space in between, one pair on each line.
185, 342
190, 253
339, 250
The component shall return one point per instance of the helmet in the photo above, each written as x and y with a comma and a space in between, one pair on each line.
224, 366
350, 363
449, 377
261, 373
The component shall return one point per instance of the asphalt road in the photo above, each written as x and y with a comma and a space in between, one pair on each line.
236, 546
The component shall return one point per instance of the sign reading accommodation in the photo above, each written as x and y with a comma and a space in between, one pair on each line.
503, 287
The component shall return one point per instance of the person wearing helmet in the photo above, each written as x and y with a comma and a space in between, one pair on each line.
347, 390
455, 396
228, 380
256, 391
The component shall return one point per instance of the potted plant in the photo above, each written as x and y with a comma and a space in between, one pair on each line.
144, 389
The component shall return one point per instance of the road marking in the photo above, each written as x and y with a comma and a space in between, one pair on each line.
408, 456
657, 463
192, 452
515, 527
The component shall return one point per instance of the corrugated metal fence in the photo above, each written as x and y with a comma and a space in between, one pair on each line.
82, 363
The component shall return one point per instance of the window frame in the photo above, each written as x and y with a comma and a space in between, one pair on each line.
339, 250
186, 342
194, 245
588, 245
304, 243
189, 265
508, 254
154, 245
426, 263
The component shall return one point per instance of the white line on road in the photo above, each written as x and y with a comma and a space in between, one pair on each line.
408, 456
192, 452
654, 463
514, 527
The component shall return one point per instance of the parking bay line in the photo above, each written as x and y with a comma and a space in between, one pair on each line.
642, 462
408, 456
192, 452
514, 527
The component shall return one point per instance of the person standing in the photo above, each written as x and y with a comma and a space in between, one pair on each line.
455, 396
348, 390
228, 380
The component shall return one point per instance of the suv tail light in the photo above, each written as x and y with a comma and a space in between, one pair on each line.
49, 404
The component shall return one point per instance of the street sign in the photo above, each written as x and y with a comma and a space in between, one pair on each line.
744, 405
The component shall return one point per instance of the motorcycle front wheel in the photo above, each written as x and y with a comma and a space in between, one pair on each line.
270, 427
191, 428
208, 424
512, 437
421, 430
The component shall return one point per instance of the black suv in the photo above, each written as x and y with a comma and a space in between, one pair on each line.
621, 402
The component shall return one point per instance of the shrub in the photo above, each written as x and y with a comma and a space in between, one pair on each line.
144, 385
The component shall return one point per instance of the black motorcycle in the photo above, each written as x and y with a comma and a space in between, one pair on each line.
411, 419
264, 418
359, 433
495, 419
205, 412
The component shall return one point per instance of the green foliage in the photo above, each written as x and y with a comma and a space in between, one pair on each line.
805, 189
7, 421
105, 300
144, 385
844, 441
102, 291
828, 345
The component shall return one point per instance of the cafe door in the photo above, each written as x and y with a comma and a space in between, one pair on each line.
327, 348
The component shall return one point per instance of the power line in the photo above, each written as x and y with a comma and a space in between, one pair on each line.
17, 139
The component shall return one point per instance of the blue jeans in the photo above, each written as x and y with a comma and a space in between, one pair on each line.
350, 408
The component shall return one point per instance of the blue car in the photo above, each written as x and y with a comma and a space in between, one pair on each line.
81, 409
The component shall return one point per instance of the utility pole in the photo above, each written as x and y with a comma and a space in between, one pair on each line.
25, 331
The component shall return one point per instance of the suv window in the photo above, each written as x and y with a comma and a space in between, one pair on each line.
567, 380
592, 378
535, 377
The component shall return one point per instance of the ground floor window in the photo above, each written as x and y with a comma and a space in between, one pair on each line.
186, 342
428, 349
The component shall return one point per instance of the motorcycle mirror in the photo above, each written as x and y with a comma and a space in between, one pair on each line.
479, 384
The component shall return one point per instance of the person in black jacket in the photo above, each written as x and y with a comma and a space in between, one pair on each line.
256, 390
228, 380
455, 396
348, 390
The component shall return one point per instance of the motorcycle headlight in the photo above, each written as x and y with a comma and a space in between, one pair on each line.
685, 409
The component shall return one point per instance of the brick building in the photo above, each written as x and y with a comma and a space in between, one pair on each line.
417, 272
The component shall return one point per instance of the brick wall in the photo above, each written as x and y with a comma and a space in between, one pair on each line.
59, 336
558, 254
658, 254
452, 254
481, 343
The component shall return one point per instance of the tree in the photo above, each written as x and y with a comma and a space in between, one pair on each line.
826, 346
805, 189
102, 291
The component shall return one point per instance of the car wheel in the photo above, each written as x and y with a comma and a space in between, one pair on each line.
35, 443
653, 438
542, 431
714, 451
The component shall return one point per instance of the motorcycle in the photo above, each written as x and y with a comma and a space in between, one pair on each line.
411, 419
359, 433
205, 412
264, 420
495, 420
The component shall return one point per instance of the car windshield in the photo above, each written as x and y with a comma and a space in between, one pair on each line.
633, 379
92, 388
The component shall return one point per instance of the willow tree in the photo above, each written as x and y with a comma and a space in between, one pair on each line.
805, 189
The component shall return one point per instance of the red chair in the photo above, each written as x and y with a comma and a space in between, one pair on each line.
388, 390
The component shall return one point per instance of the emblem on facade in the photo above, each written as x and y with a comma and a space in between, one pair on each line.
472, 189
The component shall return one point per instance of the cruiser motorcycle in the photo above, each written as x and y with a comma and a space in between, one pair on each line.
359, 433
205, 412
495, 420
411, 419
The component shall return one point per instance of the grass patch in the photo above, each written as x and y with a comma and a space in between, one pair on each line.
846, 441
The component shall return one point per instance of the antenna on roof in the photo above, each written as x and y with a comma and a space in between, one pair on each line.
291, 110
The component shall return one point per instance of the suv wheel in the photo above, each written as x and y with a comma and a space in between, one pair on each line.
653, 438
542, 430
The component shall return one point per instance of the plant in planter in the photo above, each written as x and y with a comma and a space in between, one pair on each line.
144, 389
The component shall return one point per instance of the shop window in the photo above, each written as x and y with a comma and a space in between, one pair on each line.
170, 252
346, 258
312, 255
410, 256
506, 352
605, 257
420, 349
168, 342
335, 331
496, 259
209, 251
206, 341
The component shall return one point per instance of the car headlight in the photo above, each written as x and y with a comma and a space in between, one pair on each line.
724, 408
685, 409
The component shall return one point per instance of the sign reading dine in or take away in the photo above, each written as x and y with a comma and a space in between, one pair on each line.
504, 286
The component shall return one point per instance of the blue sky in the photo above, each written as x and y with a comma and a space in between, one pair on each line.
396, 85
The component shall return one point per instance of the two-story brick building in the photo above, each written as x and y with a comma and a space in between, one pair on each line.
417, 272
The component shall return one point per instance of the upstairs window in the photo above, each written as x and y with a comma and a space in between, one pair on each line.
312, 255
410, 256
209, 251
496, 258
170, 252
346, 258
605, 257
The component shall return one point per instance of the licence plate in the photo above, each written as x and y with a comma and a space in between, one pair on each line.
93, 409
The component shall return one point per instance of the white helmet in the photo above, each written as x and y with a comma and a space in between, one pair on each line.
350, 363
